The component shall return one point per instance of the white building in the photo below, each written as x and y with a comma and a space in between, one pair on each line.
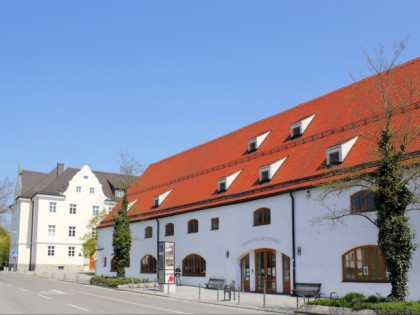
51, 212
241, 207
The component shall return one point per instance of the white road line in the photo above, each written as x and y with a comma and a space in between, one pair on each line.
56, 291
45, 297
79, 308
23, 290
128, 302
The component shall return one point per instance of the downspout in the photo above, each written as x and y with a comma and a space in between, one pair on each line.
293, 240
32, 232
157, 245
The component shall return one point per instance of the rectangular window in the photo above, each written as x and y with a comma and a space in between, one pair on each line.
104, 261
71, 251
214, 224
92, 190
334, 158
78, 188
95, 211
72, 209
222, 185
296, 132
53, 207
252, 145
72, 231
51, 230
119, 193
85, 177
51, 250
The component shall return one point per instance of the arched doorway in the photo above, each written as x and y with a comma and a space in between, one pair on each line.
265, 270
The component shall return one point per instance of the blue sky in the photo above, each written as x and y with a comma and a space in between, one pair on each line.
82, 81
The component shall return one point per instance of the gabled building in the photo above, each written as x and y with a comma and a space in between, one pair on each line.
244, 206
51, 212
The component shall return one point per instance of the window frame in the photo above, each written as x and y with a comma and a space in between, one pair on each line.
53, 207
262, 216
51, 251
221, 185
92, 190
169, 229
360, 278
332, 155
71, 251
365, 197
148, 232
213, 225
73, 208
78, 189
72, 231
149, 266
265, 170
95, 211
193, 226
51, 230
194, 265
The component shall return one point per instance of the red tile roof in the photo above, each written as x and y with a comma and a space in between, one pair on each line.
193, 174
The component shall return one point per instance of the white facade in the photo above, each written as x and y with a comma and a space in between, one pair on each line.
318, 247
54, 224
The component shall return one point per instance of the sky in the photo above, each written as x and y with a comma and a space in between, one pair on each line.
83, 81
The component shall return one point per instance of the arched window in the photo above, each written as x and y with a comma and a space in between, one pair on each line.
262, 216
363, 201
148, 264
193, 226
364, 264
194, 266
114, 267
148, 232
169, 229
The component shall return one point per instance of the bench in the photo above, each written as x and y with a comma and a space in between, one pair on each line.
228, 289
306, 291
215, 283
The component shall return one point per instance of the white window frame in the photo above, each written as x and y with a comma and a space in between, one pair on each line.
92, 190
79, 189
53, 207
119, 193
72, 208
72, 231
85, 177
257, 141
222, 185
51, 230
265, 169
51, 251
72, 251
95, 211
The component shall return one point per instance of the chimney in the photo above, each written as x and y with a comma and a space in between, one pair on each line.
60, 169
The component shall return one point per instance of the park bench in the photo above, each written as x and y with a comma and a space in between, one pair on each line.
215, 283
228, 289
306, 291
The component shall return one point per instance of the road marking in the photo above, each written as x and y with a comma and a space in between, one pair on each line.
23, 290
45, 297
59, 292
128, 302
80, 308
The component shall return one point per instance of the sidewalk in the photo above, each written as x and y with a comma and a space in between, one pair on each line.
278, 303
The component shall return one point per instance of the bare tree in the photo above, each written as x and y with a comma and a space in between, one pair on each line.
130, 167
6, 190
394, 178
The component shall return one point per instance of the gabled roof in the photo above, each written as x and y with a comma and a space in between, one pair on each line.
193, 174
57, 181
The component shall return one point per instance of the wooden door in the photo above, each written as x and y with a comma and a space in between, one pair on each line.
265, 270
245, 274
286, 274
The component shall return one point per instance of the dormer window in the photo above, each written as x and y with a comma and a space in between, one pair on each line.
119, 193
157, 200
224, 183
267, 172
338, 152
255, 143
298, 128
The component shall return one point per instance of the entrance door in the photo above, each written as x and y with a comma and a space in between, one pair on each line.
286, 274
245, 273
92, 263
265, 270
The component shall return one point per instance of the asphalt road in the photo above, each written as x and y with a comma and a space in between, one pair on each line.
32, 295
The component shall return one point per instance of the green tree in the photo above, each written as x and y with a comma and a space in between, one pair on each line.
4, 246
90, 238
121, 238
394, 180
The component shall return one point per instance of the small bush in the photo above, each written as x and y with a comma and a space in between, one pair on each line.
351, 299
112, 282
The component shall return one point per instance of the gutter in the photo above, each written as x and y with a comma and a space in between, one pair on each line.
157, 244
32, 232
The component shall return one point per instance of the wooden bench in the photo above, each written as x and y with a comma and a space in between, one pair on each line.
215, 283
306, 291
